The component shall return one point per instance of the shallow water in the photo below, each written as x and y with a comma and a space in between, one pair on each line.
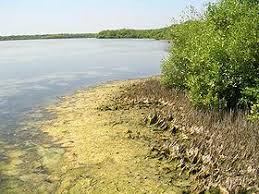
34, 73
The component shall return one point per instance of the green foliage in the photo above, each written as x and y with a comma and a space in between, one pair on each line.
251, 97
159, 34
216, 58
47, 36
254, 112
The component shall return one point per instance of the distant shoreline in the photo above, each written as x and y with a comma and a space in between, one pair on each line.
47, 36
157, 34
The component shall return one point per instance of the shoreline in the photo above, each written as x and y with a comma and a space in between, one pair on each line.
106, 144
138, 126
153, 34
150, 39
136, 136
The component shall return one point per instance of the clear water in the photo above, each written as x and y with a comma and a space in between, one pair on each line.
34, 73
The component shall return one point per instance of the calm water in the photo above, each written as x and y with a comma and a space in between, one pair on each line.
34, 73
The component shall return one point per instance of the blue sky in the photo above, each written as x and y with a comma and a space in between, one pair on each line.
72, 16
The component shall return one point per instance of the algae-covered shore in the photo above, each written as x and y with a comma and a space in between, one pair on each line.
106, 149
137, 136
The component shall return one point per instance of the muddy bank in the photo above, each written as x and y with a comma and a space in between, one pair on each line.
216, 150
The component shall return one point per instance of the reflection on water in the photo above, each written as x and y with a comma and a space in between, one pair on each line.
32, 75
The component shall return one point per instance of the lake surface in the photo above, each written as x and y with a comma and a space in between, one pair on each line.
34, 73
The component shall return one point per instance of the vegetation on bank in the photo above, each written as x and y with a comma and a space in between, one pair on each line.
47, 36
158, 34
217, 153
215, 58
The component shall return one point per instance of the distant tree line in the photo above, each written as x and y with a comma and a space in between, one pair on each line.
158, 34
47, 36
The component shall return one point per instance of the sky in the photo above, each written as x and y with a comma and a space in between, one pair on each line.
78, 16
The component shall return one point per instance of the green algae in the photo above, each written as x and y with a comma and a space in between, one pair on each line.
89, 152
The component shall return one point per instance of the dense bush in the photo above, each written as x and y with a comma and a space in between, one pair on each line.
159, 34
215, 58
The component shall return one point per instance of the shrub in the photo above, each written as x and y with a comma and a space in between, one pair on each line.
215, 58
